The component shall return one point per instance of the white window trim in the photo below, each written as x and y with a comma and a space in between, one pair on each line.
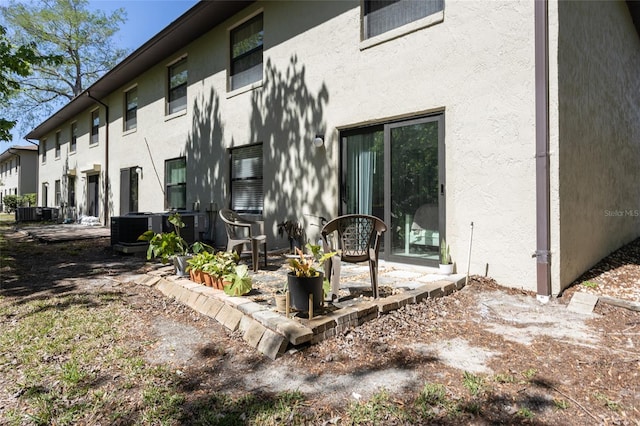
92, 144
124, 109
72, 152
168, 65
256, 84
411, 27
57, 145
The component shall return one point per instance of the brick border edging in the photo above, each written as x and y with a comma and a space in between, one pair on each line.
270, 332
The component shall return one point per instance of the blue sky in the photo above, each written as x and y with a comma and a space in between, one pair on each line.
145, 18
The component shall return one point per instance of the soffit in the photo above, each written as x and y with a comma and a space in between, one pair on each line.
197, 21
634, 9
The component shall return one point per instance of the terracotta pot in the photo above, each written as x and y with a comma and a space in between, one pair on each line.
197, 276
218, 283
208, 279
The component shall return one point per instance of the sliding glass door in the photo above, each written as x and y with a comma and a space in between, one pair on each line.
395, 171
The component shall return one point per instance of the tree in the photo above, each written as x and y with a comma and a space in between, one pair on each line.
15, 62
68, 29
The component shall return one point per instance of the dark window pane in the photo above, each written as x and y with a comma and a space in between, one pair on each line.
246, 53
384, 15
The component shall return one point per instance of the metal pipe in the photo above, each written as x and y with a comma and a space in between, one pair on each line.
466, 282
106, 159
543, 253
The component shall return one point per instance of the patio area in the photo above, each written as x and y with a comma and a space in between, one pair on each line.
273, 333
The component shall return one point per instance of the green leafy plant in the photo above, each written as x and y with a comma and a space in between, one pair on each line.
309, 266
198, 261
165, 245
222, 263
294, 231
473, 383
445, 257
590, 284
239, 281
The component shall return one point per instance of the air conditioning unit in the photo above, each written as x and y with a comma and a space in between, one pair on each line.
125, 230
196, 225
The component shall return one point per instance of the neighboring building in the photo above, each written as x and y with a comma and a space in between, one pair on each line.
18, 171
431, 115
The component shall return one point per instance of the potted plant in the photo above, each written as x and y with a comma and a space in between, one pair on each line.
295, 233
197, 264
171, 246
446, 267
305, 278
238, 281
222, 263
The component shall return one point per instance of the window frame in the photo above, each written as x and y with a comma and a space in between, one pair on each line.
57, 193
130, 123
94, 134
178, 105
258, 189
170, 185
73, 141
233, 61
43, 145
57, 146
419, 23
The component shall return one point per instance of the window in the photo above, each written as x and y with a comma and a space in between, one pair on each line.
43, 150
58, 194
175, 177
71, 191
57, 151
381, 16
246, 53
131, 109
45, 194
246, 179
177, 87
74, 137
95, 126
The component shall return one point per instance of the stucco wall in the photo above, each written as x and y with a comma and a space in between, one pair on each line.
598, 141
475, 67
79, 163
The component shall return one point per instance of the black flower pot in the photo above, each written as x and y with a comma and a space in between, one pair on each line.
301, 287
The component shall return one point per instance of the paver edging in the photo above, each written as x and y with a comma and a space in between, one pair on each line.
270, 332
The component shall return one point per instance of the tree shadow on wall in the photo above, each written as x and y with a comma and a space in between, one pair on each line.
286, 114
207, 165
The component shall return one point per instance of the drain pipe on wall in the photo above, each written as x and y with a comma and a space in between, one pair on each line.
106, 158
543, 253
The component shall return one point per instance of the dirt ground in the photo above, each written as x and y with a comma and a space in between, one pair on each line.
564, 368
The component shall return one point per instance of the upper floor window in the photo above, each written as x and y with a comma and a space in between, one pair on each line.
246, 53
74, 137
43, 150
247, 194
175, 178
177, 87
95, 126
381, 16
57, 151
131, 109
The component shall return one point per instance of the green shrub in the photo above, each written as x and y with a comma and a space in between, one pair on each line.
10, 202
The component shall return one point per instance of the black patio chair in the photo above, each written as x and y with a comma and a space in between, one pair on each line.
358, 240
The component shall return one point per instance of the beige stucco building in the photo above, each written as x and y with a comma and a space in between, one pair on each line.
18, 171
520, 117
